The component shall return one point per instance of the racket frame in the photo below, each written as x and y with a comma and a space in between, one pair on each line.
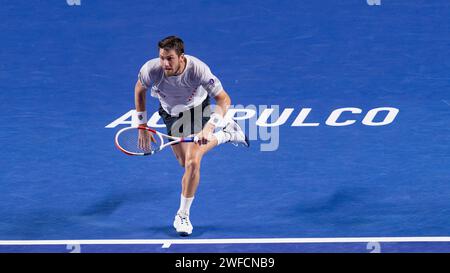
161, 136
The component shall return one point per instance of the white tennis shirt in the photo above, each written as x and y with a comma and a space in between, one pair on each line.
182, 92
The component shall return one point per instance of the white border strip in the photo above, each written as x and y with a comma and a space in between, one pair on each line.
166, 243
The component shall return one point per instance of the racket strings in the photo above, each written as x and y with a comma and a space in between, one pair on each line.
139, 141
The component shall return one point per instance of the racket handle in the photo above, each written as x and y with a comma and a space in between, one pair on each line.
190, 139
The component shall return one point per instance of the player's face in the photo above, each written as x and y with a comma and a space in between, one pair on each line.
170, 61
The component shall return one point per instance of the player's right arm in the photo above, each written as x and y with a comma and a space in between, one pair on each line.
143, 82
139, 96
140, 100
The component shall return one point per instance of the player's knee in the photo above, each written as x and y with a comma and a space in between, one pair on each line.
192, 164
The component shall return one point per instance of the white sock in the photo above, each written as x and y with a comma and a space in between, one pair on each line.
185, 204
222, 137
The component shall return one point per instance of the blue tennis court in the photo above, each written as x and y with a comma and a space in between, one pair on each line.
347, 105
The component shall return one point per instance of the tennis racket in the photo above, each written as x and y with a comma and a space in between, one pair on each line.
143, 140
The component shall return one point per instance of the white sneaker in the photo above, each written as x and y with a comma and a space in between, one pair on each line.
237, 136
182, 224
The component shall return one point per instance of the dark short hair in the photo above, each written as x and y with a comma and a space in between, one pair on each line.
172, 42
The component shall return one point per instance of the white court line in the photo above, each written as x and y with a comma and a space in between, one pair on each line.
166, 243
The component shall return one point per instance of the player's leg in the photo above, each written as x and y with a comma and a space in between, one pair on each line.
175, 127
192, 154
189, 184
190, 181
193, 158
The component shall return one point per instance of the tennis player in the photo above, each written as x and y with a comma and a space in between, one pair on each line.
184, 85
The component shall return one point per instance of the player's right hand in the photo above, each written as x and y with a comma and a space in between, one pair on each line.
144, 139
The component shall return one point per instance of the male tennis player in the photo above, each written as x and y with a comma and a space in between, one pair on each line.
184, 84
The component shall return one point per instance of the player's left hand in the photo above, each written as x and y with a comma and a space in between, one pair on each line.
205, 135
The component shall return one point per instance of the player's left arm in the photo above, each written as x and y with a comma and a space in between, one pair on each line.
223, 102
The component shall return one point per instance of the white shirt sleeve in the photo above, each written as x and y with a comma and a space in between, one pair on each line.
147, 73
208, 80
